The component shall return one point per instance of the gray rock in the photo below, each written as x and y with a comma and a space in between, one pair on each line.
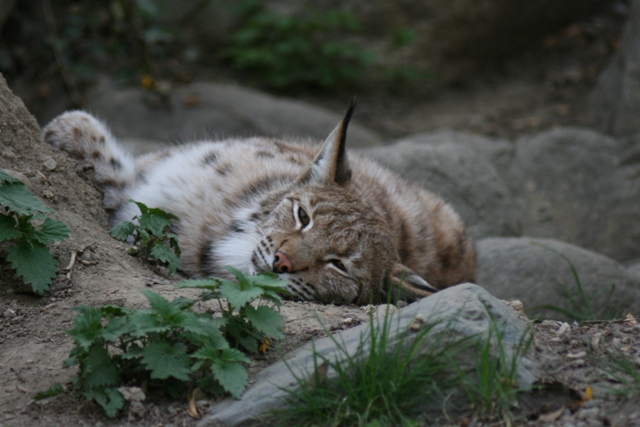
461, 176
462, 311
499, 152
615, 102
634, 270
205, 110
581, 187
535, 272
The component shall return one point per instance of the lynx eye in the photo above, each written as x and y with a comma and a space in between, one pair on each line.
303, 217
338, 264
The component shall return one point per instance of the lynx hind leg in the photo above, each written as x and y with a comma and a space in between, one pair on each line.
84, 137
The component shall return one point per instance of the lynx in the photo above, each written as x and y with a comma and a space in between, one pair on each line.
339, 229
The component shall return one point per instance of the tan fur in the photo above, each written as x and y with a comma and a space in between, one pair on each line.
240, 202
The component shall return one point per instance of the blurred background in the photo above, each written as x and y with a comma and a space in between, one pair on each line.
496, 67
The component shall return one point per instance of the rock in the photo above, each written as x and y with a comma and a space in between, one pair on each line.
498, 152
634, 269
535, 272
581, 187
615, 102
461, 176
202, 110
462, 311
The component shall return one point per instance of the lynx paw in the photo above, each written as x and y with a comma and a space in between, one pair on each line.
77, 133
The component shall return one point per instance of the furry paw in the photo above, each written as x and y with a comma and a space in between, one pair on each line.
79, 134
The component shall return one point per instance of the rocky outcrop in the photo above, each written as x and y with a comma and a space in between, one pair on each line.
581, 187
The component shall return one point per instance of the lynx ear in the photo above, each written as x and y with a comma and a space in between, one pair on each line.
331, 163
406, 285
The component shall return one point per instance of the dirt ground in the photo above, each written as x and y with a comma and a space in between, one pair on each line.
529, 95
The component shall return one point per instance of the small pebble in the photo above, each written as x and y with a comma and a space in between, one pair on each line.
50, 164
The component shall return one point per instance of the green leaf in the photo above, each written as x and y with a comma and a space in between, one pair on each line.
34, 264
167, 312
238, 295
87, 327
51, 230
166, 360
266, 320
98, 369
17, 198
241, 334
110, 399
154, 219
143, 322
55, 390
123, 230
6, 178
231, 375
9, 228
165, 254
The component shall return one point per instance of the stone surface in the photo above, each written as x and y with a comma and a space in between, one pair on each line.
499, 152
535, 272
464, 310
461, 176
213, 110
615, 102
581, 187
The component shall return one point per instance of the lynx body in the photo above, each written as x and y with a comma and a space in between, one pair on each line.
339, 230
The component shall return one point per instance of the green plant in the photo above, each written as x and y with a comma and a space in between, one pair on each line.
246, 324
392, 379
28, 231
284, 51
621, 368
492, 388
582, 306
385, 382
168, 347
153, 240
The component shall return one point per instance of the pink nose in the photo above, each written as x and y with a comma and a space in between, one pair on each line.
282, 263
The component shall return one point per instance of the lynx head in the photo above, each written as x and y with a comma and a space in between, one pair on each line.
326, 241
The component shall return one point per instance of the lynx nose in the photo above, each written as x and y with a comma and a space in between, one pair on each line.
282, 263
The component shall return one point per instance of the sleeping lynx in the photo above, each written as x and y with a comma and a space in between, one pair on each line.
338, 230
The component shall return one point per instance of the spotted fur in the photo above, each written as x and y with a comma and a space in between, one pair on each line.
339, 229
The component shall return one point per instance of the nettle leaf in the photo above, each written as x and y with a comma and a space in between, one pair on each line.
231, 375
34, 263
87, 327
6, 178
166, 360
51, 230
211, 284
162, 307
165, 254
9, 228
154, 219
98, 369
144, 322
110, 399
123, 230
238, 295
17, 198
266, 320
241, 334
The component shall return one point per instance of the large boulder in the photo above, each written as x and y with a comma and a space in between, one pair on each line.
615, 102
459, 168
581, 187
462, 313
202, 110
540, 272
